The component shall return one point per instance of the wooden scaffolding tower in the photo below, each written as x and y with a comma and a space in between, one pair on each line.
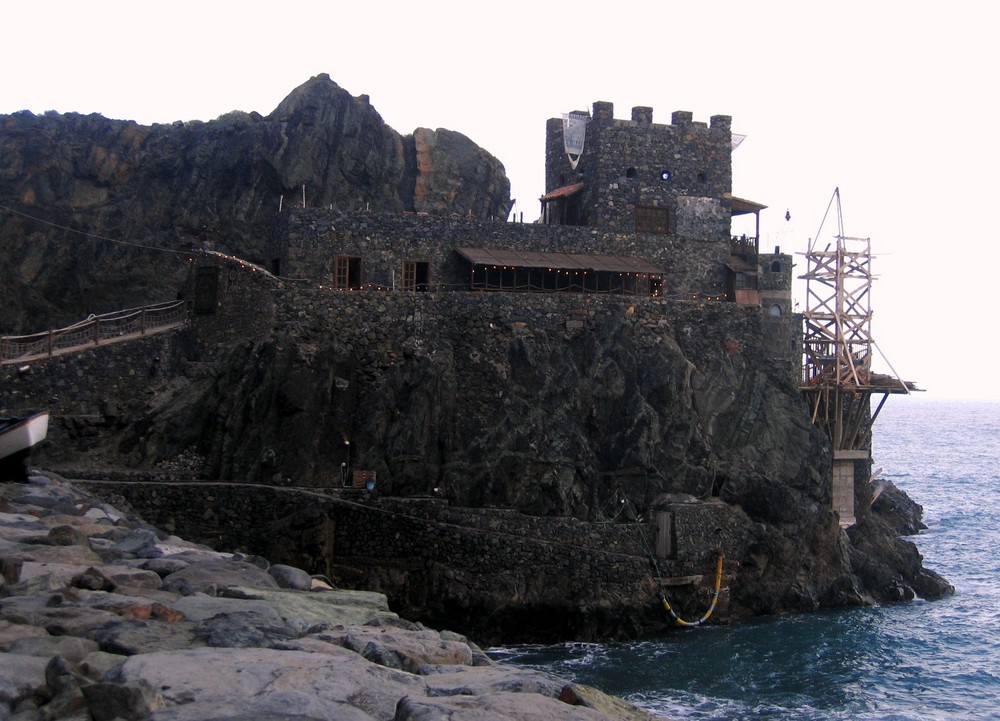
838, 382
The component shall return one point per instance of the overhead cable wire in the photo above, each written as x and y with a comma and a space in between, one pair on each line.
93, 236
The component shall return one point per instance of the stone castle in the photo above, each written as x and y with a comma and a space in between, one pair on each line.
509, 389
642, 210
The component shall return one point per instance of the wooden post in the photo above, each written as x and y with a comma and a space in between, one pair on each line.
664, 534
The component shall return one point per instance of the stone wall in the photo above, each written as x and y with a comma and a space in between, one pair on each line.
436, 561
314, 238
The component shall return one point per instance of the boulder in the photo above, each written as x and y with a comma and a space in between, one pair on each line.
214, 576
290, 577
71, 648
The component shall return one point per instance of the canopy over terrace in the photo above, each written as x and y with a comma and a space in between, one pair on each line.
495, 269
741, 206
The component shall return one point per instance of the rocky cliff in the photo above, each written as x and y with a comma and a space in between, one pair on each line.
82, 194
597, 409
576, 409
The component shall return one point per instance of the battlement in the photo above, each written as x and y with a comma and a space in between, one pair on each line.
604, 113
636, 175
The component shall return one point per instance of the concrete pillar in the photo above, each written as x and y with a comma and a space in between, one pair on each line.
843, 484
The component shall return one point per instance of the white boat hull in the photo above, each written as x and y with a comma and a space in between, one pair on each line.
23, 433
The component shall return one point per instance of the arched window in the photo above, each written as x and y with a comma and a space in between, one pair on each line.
774, 310
776, 266
630, 173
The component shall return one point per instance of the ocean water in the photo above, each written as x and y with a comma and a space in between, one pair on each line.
919, 660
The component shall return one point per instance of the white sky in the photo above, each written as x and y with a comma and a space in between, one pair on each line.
891, 101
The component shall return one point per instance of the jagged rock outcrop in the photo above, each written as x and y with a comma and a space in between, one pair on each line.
118, 186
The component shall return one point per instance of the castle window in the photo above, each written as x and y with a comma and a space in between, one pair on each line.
346, 272
416, 275
702, 177
774, 310
776, 266
630, 173
651, 220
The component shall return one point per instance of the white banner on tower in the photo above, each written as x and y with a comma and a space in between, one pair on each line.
574, 135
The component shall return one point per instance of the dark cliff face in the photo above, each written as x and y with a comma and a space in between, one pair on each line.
188, 185
580, 405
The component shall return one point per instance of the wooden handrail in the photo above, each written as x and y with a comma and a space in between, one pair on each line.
95, 330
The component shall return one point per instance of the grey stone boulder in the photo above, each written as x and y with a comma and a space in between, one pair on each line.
402, 649
110, 701
96, 665
11, 633
132, 638
290, 577
141, 543
71, 648
163, 567
212, 576
50, 613
22, 674
130, 577
244, 629
67, 535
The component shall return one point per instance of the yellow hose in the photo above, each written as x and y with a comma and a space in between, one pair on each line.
715, 599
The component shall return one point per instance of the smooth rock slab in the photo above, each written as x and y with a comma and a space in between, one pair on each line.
199, 682
520, 706
478, 681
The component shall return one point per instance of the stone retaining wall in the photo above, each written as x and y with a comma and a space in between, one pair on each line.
434, 560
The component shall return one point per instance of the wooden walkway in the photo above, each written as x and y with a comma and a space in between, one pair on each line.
97, 330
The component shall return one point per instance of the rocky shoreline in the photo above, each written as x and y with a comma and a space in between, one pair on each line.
103, 616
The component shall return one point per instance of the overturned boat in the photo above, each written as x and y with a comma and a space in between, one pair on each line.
21, 433
17, 437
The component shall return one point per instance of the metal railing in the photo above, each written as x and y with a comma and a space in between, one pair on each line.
94, 331
743, 245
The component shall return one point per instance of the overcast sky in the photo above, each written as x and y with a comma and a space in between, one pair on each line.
894, 102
